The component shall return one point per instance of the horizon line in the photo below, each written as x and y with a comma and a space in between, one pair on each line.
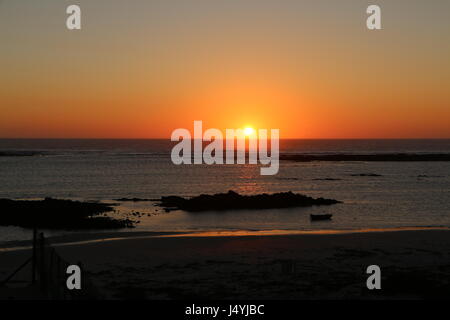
168, 138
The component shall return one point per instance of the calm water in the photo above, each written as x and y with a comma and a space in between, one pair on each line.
405, 193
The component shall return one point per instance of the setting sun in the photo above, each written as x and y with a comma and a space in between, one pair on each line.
248, 131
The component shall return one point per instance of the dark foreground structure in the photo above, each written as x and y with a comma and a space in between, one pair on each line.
414, 265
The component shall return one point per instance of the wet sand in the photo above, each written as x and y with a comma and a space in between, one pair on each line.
414, 264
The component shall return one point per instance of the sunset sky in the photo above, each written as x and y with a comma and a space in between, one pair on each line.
140, 69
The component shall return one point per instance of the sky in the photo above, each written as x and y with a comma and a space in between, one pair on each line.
141, 69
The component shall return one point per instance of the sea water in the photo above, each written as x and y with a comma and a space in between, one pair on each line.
374, 194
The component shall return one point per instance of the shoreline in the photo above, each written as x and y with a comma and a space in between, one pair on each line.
102, 237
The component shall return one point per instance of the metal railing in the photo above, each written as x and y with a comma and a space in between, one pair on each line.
48, 273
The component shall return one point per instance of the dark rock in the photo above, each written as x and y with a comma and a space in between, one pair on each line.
233, 200
59, 214
367, 157
20, 153
133, 199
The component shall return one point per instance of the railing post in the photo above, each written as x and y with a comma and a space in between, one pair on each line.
42, 275
59, 282
51, 272
83, 280
33, 261
82, 274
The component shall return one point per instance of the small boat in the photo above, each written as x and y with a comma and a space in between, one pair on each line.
320, 217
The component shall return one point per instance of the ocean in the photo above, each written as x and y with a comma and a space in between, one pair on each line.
374, 194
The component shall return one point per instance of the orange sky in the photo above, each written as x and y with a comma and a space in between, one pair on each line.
308, 68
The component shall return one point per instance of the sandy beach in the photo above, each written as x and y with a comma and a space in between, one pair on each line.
414, 264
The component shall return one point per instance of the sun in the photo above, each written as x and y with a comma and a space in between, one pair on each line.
248, 131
